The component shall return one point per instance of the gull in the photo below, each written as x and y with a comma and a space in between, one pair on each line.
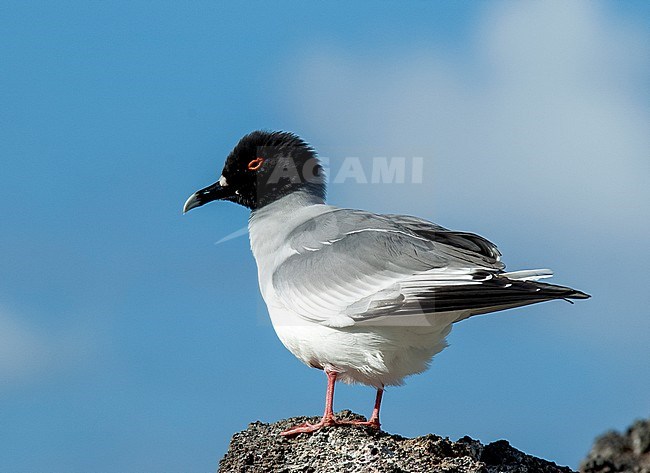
367, 298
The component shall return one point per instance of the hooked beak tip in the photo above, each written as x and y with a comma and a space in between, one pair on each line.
190, 203
213, 192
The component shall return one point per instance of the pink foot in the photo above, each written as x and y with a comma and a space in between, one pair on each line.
374, 423
308, 428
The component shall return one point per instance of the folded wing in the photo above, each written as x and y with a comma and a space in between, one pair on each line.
352, 267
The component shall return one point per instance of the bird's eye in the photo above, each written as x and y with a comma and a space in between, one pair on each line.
255, 164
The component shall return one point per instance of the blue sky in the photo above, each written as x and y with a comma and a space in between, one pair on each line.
130, 342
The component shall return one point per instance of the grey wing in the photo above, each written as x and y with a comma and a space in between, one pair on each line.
351, 266
347, 267
472, 248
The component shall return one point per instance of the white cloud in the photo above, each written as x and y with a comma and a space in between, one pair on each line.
22, 351
27, 353
544, 117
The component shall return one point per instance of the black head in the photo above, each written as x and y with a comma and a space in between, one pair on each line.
262, 168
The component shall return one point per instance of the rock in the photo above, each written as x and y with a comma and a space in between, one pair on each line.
260, 448
614, 452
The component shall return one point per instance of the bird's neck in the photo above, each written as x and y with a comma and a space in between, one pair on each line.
270, 226
286, 206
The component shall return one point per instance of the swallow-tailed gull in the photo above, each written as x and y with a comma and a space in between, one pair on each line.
367, 298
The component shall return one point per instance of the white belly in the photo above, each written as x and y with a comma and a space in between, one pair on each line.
377, 355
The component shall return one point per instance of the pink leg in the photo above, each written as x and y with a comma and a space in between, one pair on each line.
328, 416
374, 418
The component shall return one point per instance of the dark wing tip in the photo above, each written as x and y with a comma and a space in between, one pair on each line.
575, 294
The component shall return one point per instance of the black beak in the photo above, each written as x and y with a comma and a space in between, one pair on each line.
214, 192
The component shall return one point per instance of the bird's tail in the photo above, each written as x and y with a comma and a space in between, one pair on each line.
507, 291
553, 291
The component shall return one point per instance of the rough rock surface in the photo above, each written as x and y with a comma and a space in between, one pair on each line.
260, 448
614, 452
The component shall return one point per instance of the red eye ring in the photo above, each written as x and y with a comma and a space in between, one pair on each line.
255, 164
